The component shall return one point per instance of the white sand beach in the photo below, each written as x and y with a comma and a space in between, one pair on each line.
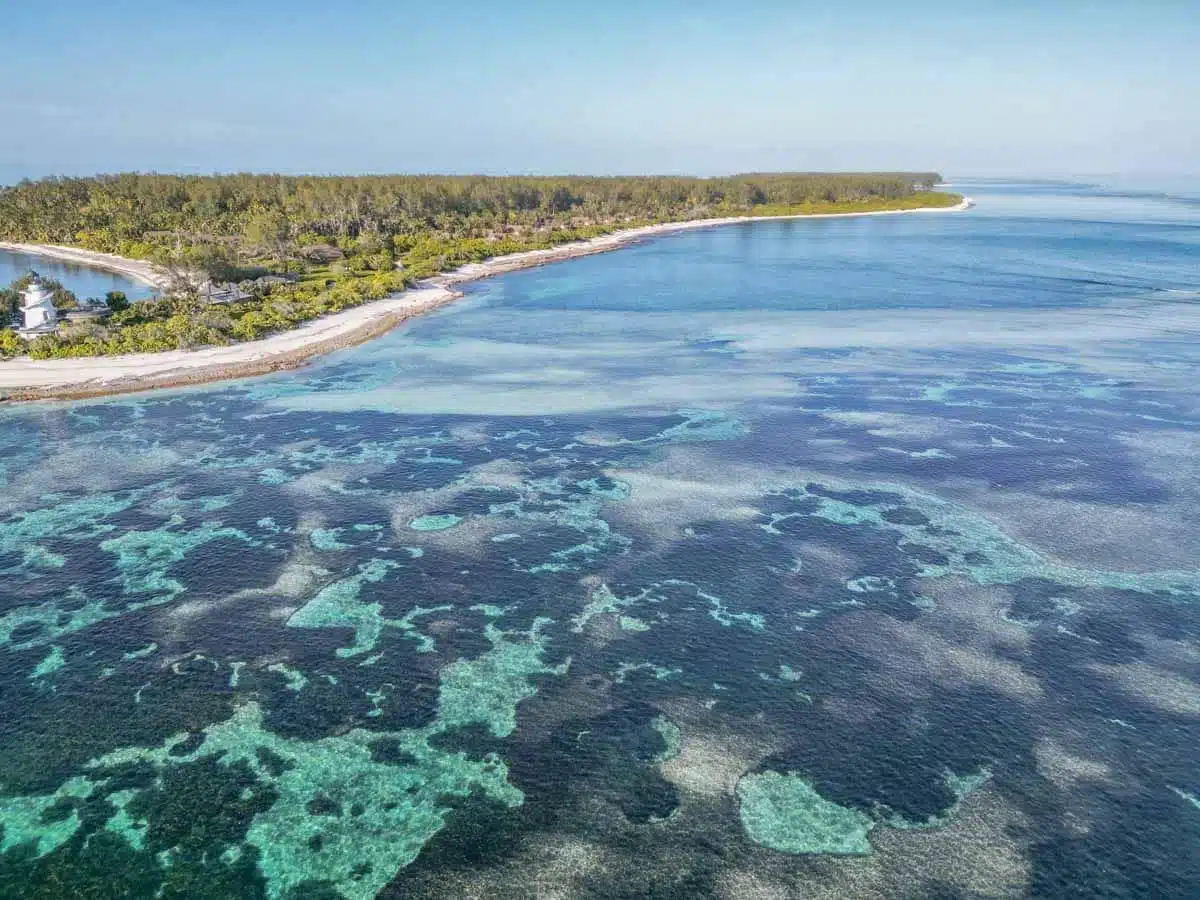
28, 379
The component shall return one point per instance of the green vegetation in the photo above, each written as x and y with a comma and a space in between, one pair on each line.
343, 241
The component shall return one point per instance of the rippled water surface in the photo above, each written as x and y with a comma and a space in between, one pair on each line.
841, 558
83, 281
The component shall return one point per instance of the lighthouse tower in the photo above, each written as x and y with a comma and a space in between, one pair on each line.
40, 315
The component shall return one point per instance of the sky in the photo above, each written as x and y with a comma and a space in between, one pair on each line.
1010, 88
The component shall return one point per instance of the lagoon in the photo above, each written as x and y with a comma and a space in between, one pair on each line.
84, 282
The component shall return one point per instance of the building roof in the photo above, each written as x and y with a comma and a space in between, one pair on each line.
222, 293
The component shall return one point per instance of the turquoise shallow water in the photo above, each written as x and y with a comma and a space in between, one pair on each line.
841, 558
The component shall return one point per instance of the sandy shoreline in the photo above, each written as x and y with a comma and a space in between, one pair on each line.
28, 379
136, 269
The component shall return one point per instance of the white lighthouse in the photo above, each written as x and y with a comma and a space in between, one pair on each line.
40, 315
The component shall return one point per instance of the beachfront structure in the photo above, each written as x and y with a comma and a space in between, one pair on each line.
87, 312
38, 309
215, 292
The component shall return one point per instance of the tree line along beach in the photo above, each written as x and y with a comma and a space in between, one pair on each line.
255, 274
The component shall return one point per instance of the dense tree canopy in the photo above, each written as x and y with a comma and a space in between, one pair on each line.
345, 240
108, 211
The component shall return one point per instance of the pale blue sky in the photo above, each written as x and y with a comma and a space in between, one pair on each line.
617, 87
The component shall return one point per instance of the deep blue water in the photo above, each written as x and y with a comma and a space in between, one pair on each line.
84, 282
848, 558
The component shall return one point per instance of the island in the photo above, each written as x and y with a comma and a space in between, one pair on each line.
256, 273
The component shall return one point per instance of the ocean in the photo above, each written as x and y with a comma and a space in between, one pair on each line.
833, 558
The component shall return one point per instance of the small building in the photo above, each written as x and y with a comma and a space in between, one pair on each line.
322, 254
38, 309
88, 313
90, 309
217, 293
268, 281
